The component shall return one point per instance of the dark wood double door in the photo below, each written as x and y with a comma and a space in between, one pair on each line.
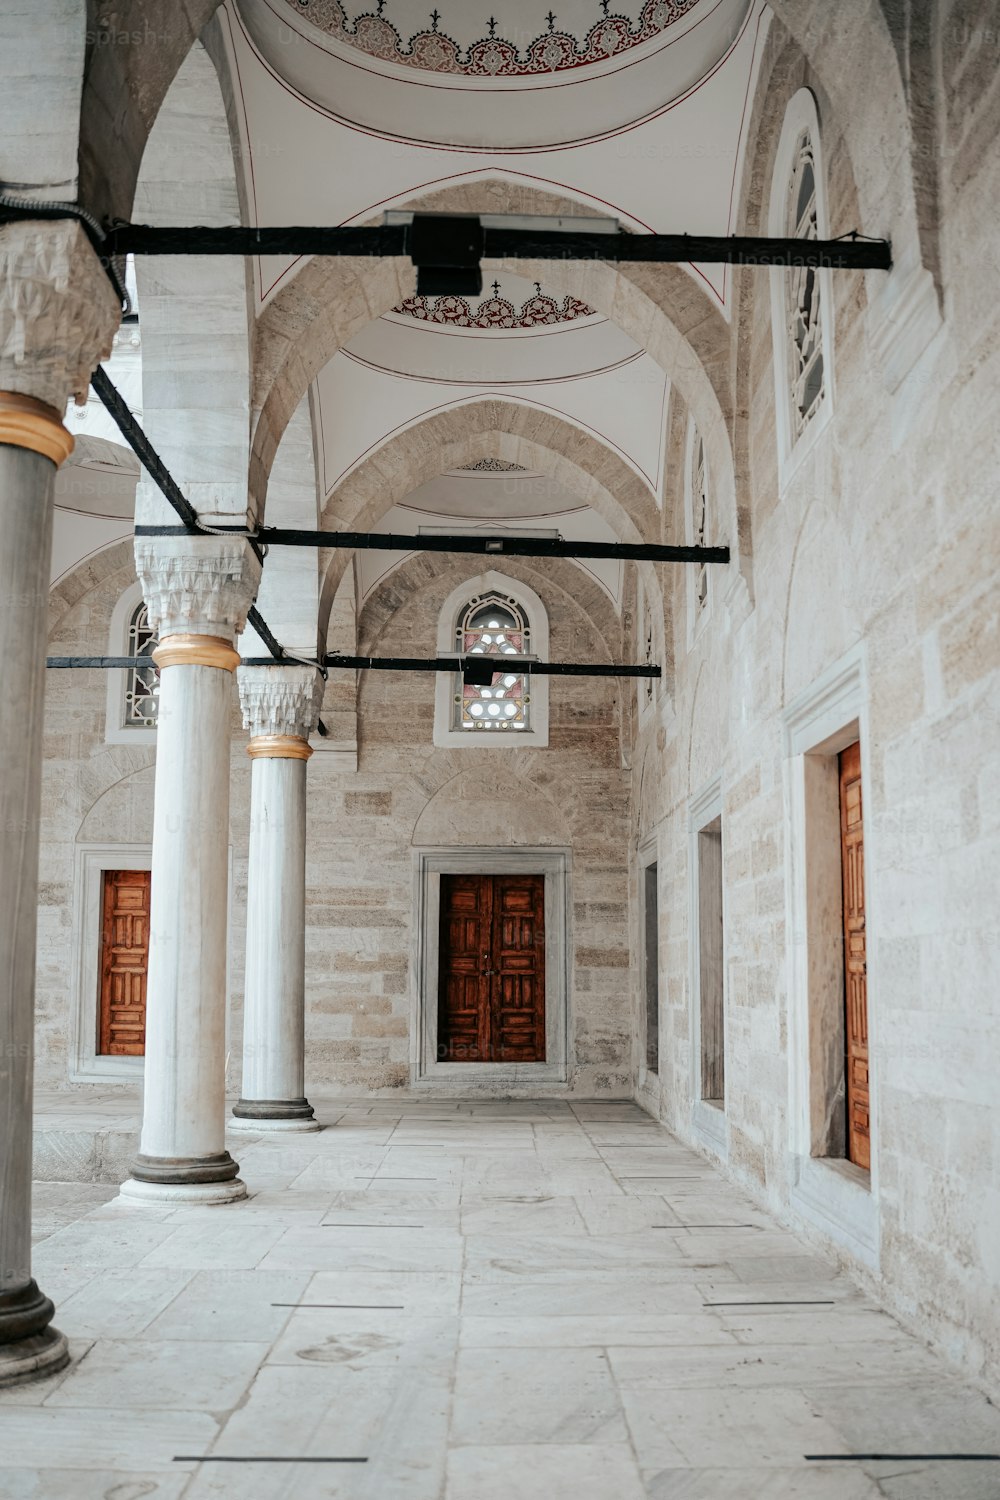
491, 993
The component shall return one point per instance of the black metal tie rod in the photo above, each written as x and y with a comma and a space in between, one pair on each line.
458, 240
509, 546
157, 470
476, 665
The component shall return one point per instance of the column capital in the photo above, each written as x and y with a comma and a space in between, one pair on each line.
280, 703
195, 585
58, 311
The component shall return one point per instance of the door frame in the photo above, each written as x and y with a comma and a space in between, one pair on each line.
829, 1192
425, 1069
85, 1063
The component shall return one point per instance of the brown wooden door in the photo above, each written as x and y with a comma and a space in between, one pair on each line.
855, 960
124, 960
491, 998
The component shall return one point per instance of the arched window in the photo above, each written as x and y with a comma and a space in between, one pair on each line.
493, 626
490, 618
801, 301
142, 685
132, 692
698, 509
802, 292
699, 518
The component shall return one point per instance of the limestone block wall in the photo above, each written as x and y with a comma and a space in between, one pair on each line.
363, 828
880, 547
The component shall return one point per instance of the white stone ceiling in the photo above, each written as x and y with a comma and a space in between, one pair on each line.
544, 76
665, 159
520, 503
676, 170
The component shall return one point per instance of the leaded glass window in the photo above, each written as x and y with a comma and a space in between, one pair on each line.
803, 315
699, 518
142, 684
493, 625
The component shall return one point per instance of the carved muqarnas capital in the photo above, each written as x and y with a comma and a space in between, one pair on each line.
280, 700
58, 311
197, 587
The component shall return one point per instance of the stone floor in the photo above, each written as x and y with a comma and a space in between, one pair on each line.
485, 1302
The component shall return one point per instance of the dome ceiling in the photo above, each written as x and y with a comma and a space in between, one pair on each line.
523, 75
524, 40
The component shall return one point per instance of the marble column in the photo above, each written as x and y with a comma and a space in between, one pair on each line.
280, 708
58, 314
197, 594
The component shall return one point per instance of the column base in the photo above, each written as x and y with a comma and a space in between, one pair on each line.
141, 1193
29, 1347
183, 1179
184, 1170
248, 1126
273, 1114
33, 1358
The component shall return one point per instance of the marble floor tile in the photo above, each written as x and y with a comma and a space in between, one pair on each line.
543, 1472
760, 1364
919, 1416
582, 1295
116, 1306
359, 1337
535, 1396
482, 1299
234, 1245
246, 1306
425, 1292
818, 1482
101, 1244
183, 1374
360, 1250
615, 1333
725, 1429
56, 1438
483, 1215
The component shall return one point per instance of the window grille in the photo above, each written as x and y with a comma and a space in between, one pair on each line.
142, 685
803, 311
494, 625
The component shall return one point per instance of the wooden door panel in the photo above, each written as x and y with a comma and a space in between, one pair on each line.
491, 999
519, 959
121, 1007
855, 958
463, 994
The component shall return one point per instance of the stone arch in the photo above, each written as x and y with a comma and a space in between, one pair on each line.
858, 70
194, 310
125, 803
133, 54
485, 799
86, 576
785, 70
488, 428
330, 299
582, 624
557, 577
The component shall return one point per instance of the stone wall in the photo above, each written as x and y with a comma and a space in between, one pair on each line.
881, 545
364, 827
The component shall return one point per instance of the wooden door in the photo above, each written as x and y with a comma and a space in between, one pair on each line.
124, 961
855, 964
491, 997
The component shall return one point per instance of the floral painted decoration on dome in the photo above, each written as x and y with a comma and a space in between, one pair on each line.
492, 56
496, 311
492, 466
